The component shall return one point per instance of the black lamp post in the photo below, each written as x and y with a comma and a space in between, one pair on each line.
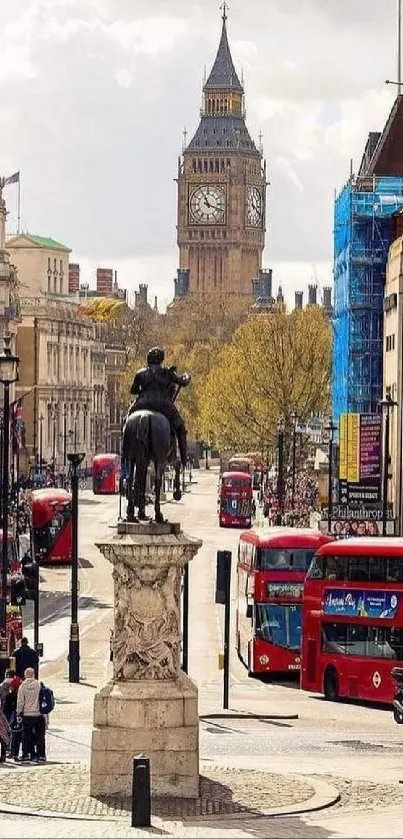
8, 375
85, 415
74, 458
294, 419
330, 428
280, 471
388, 404
54, 421
65, 437
40, 452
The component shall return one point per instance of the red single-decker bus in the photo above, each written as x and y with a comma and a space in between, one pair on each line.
353, 619
271, 568
106, 474
235, 500
51, 525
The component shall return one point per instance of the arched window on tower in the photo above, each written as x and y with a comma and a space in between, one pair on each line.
217, 165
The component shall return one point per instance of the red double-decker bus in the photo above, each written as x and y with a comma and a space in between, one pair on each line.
353, 619
235, 500
51, 525
106, 474
271, 569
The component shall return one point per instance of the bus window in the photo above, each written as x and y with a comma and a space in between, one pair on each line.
316, 568
269, 559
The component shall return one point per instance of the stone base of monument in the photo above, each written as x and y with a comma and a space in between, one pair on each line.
159, 719
150, 706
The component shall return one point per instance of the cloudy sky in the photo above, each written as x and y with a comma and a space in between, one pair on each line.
94, 95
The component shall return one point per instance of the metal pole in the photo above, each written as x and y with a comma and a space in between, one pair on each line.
227, 626
40, 444
280, 476
141, 792
4, 498
385, 475
294, 446
185, 620
54, 450
35, 565
74, 644
330, 484
65, 438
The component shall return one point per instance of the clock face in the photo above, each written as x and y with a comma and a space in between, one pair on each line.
207, 205
254, 206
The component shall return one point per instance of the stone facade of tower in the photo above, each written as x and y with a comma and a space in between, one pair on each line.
221, 192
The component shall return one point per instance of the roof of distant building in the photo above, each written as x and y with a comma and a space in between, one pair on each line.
386, 158
42, 241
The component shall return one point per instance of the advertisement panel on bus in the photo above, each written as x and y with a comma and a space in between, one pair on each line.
353, 619
106, 474
51, 525
271, 569
235, 500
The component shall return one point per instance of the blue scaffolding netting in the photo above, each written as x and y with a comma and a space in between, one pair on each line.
363, 231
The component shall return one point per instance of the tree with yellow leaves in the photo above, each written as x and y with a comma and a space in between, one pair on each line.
276, 364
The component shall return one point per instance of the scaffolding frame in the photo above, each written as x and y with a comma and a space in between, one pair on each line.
363, 232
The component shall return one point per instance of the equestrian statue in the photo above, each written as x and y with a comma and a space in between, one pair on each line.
152, 427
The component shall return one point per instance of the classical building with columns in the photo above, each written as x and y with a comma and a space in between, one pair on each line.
62, 364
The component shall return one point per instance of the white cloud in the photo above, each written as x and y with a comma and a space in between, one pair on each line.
95, 94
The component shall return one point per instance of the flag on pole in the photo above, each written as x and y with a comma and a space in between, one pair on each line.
12, 179
17, 426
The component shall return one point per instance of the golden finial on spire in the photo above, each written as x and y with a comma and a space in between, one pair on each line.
224, 8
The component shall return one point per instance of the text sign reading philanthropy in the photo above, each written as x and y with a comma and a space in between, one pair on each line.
362, 604
287, 590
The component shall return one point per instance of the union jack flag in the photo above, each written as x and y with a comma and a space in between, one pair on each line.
17, 426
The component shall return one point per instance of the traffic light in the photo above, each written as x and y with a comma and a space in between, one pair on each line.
17, 590
30, 570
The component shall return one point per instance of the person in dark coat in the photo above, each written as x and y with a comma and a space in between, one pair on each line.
25, 657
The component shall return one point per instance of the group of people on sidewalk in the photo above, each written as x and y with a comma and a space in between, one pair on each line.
25, 705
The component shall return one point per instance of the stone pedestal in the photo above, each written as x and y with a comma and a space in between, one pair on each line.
150, 706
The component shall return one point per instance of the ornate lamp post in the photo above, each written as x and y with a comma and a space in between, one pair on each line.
294, 419
40, 451
330, 429
386, 404
55, 413
8, 375
280, 471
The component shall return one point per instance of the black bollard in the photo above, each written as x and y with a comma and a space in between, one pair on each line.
141, 792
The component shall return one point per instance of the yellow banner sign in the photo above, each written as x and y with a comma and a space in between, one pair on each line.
343, 447
353, 448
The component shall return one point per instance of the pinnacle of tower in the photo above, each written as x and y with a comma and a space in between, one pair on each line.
223, 75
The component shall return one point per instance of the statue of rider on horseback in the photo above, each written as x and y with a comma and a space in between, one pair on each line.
152, 426
156, 388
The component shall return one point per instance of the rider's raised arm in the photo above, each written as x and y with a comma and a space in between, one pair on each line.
136, 386
183, 381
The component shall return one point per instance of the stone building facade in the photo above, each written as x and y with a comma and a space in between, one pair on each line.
221, 192
62, 363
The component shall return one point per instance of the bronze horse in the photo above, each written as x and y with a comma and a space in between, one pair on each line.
148, 438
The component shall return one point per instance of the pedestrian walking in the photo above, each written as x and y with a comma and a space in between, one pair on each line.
25, 657
33, 722
10, 711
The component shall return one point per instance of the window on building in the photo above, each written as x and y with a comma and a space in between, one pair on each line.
49, 348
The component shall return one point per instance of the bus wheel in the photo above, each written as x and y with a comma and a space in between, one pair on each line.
398, 716
331, 685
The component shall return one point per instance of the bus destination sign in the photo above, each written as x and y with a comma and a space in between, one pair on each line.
286, 590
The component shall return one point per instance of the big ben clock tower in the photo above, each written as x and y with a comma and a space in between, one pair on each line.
221, 191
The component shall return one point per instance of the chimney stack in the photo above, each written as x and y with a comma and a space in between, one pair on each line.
299, 298
312, 295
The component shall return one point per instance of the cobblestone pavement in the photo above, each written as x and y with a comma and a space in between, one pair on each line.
65, 789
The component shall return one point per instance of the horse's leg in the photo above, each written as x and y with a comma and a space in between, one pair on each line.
142, 479
177, 481
130, 494
159, 471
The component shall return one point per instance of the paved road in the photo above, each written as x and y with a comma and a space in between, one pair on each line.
340, 741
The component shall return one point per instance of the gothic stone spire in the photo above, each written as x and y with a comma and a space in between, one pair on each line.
223, 75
